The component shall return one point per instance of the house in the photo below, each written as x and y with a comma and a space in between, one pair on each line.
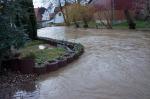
58, 16
115, 8
37, 14
45, 16
53, 15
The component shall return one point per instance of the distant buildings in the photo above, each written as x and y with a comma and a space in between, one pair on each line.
49, 15
114, 8
117, 7
58, 18
38, 14
142, 9
53, 15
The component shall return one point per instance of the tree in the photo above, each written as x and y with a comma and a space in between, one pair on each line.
27, 17
90, 1
147, 10
74, 14
78, 12
86, 14
129, 18
65, 9
11, 36
104, 17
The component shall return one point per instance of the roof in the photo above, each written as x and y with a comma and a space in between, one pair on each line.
55, 11
37, 14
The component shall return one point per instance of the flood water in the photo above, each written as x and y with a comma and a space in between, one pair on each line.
115, 65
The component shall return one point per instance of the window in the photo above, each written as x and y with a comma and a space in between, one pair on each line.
59, 14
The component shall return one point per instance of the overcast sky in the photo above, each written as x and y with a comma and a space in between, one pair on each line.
44, 3
41, 3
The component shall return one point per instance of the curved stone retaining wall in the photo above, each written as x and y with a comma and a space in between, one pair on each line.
27, 66
74, 51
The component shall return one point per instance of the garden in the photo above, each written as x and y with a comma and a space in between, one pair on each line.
21, 49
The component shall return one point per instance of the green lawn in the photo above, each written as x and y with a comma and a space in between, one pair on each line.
31, 50
91, 24
123, 25
34, 42
139, 25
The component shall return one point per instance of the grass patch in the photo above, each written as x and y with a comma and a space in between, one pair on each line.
123, 25
91, 24
34, 42
139, 24
31, 50
48, 55
56, 24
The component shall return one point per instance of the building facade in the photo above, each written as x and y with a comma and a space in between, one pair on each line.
117, 7
38, 14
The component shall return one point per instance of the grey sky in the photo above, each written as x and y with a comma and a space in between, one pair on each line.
44, 3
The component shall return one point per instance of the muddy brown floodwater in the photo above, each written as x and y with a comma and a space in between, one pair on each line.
115, 65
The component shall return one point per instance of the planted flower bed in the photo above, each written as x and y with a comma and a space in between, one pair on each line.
40, 57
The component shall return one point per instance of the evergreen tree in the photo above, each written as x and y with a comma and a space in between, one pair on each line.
10, 35
17, 19
27, 17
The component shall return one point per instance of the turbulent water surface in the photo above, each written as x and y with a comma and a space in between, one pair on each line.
115, 65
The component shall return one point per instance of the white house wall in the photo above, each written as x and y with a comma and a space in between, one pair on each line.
58, 19
45, 16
